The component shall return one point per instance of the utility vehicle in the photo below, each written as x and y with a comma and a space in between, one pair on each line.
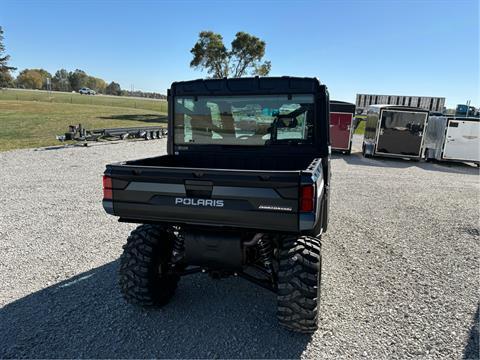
243, 191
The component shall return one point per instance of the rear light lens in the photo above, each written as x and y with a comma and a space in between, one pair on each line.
107, 188
307, 198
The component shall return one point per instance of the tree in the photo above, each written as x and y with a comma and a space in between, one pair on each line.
6, 79
45, 75
245, 57
96, 84
30, 79
60, 81
77, 79
33, 79
114, 89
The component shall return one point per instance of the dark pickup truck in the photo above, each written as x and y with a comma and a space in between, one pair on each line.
243, 191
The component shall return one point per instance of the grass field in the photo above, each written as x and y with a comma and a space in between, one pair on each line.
73, 98
360, 129
38, 116
28, 124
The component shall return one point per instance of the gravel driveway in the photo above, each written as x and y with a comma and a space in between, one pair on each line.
400, 272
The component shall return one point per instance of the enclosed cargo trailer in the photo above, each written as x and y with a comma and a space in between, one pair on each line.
450, 138
341, 125
394, 131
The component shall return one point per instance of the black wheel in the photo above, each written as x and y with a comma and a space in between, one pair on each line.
145, 276
348, 152
364, 152
299, 274
427, 156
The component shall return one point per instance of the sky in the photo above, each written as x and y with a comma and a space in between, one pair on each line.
394, 47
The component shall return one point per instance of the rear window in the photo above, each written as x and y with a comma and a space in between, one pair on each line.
243, 120
404, 120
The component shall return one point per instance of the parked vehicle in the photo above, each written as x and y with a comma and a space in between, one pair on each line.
228, 200
463, 110
449, 138
341, 125
394, 131
86, 91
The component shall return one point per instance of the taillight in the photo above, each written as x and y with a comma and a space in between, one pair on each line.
107, 188
307, 198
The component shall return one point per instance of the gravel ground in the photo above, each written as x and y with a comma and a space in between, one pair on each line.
400, 273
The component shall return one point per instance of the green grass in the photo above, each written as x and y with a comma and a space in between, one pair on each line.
27, 124
73, 98
360, 130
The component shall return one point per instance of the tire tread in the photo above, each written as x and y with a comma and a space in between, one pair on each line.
298, 283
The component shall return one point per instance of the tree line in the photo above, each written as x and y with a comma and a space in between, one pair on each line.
62, 80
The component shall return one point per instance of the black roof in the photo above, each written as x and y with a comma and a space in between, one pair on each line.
244, 86
341, 106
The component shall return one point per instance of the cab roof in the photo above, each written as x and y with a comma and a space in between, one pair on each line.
246, 86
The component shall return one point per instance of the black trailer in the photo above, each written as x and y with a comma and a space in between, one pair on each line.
394, 131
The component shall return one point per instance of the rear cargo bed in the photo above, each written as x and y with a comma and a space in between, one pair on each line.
229, 161
179, 190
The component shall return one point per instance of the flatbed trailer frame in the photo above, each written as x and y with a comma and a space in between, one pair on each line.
79, 133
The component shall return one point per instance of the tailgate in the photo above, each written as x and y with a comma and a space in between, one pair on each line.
234, 198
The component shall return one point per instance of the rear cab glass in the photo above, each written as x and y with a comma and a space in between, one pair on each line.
256, 120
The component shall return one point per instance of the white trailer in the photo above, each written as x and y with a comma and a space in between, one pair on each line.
453, 139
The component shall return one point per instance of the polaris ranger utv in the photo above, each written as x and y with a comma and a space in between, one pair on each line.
243, 191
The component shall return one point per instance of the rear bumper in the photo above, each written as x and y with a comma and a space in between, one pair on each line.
250, 220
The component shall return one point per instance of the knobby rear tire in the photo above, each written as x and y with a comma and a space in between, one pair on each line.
145, 276
299, 276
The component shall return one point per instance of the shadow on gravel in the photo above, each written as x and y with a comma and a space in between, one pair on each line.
155, 118
458, 168
85, 317
472, 349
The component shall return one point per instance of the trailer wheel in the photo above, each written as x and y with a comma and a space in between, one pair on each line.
349, 151
364, 151
145, 276
299, 277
